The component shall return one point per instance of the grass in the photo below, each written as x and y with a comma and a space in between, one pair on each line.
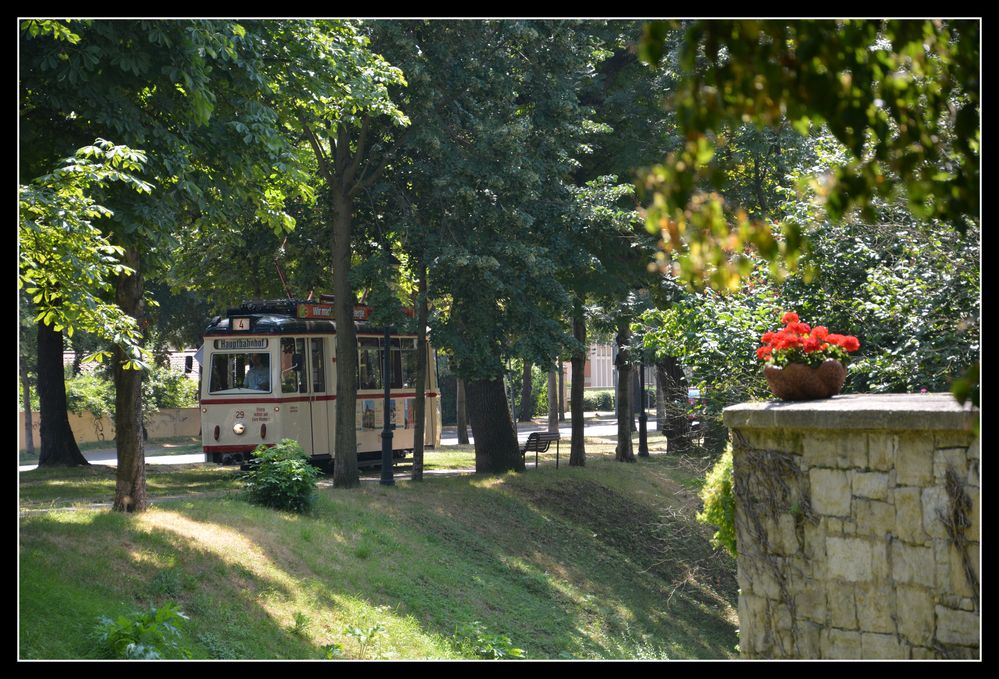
604, 561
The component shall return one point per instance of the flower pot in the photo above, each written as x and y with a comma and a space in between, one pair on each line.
799, 382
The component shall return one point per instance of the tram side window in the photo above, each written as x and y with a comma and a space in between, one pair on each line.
318, 372
292, 380
369, 366
408, 362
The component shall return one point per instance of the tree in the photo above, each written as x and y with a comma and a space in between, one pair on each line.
901, 96
66, 263
181, 89
331, 88
494, 122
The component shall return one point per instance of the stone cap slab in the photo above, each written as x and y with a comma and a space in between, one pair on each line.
896, 412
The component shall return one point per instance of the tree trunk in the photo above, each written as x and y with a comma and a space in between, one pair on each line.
526, 394
561, 391
420, 407
461, 413
130, 485
635, 403
676, 426
552, 402
624, 452
58, 445
577, 451
345, 472
29, 434
496, 446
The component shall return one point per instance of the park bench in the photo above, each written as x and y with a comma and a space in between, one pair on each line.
539, 442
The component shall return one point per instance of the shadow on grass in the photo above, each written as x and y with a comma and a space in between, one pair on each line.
558, 561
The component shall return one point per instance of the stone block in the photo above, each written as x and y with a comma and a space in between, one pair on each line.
909, 515
840, 644
915, 614
973, 478
810, 603
787, 535
957, 627
880, 562
837, 449
875, 608
830, 490
815, 540
808, 640
849, 559
753, 626
953, 439
881, 451
873, 517
883, 646
973, 532
950, 458
950, 575
936, 505
912, 564
873, 485
924, 654
841, 605
914, 460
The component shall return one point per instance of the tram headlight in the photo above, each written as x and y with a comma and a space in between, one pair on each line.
238, 428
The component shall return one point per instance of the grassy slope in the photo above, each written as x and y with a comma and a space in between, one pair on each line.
601, 562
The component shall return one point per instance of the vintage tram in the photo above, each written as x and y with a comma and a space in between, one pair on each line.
269, 373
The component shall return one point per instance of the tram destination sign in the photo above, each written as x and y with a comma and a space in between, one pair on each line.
240, 344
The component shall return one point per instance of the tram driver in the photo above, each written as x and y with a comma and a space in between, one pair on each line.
259, 375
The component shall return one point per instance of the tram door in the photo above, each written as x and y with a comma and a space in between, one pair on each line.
320, 402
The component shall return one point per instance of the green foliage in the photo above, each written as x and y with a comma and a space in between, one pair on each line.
718, 496
301, 626
902, 97
363, 636
281, 477
163, 387
90, 392
66, 263
153, 635
484, 644
598, 399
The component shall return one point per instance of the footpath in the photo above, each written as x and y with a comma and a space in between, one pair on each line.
594, 423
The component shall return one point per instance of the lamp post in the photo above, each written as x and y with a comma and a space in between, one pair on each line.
643, 439
388, 476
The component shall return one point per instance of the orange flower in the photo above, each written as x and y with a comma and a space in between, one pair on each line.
789, 317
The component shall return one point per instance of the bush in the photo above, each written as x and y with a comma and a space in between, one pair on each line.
144, 636
598, 399
281, 477
719, 503
90, 393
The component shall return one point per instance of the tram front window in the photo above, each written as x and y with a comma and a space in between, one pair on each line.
240, 372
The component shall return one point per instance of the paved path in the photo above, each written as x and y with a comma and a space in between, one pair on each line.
603, 424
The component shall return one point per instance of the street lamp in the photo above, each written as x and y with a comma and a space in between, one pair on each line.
643, 439
388, 476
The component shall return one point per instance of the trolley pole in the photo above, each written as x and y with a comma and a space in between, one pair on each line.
643, 438
388, 478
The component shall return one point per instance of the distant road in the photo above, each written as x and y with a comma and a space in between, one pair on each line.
604, 426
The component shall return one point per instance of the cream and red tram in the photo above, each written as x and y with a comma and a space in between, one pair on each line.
269, 373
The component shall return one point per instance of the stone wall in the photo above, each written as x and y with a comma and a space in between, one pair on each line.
857, 523
165, 423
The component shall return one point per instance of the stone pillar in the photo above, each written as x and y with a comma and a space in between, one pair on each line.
857, 522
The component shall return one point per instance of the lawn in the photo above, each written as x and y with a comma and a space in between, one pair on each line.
600, 562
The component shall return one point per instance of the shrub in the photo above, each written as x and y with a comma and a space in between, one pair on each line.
476, 638
152, 635
281, 477
598, 399
719, 502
